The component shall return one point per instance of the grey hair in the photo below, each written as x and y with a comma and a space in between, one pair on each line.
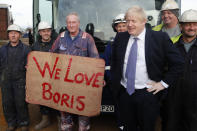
136, 11
73, 13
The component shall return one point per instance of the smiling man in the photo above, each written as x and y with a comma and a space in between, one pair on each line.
44, 44
187, 88
78, 43
139, 57
170, 22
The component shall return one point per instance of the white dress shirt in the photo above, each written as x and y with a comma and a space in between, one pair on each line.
141, 77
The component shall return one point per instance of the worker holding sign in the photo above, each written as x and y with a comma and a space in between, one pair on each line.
78, 43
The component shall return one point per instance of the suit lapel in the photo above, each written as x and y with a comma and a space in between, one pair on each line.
147, 48
124, 43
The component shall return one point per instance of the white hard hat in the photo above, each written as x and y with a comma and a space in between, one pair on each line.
14, 27
120, 18
189, 16
169, 5
43, 25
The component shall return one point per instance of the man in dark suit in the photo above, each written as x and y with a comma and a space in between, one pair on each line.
138, 60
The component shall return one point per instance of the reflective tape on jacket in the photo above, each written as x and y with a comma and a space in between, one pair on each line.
107, 67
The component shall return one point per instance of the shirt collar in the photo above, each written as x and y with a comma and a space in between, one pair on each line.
141, 36
78, 35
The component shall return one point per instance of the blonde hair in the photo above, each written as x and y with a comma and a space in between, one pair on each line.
136, 11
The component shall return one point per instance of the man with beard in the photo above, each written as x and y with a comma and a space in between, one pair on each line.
44, 43
186, 92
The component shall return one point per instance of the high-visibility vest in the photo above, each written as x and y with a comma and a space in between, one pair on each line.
160, 26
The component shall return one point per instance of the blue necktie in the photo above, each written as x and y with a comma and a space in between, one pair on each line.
131, 68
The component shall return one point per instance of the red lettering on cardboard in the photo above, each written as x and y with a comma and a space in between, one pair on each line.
46, 91
57, 73
46, 66
67, 72
72, 101
65, 100
69, 101
56, 97
88, 81
94, 84
77, 80
79, 100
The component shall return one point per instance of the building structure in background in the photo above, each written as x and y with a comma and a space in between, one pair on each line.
5, 21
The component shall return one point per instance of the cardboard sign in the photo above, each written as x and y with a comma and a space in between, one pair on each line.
64, 82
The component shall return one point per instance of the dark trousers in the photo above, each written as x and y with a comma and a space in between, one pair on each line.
15, 108
138, 111
117, 113
44, 110
188, 116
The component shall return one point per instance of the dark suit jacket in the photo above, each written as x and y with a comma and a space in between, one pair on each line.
159, 51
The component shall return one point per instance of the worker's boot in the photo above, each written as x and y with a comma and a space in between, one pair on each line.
84, 123
24, 128
11, 128
58, 123
44, 122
